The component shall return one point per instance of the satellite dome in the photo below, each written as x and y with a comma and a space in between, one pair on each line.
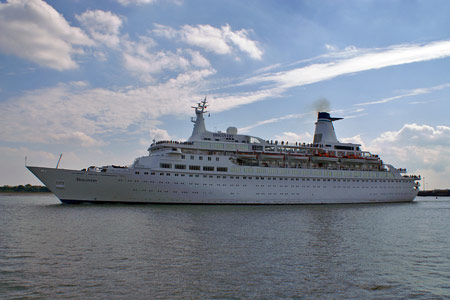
232, 130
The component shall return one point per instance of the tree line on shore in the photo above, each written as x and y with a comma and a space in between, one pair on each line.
28, 188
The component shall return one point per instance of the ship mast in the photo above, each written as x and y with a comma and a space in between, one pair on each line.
198, 120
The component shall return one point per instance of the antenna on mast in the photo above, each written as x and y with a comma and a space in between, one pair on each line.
57, 165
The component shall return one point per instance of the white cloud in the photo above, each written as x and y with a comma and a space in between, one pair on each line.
411, 93
33, 30
239, 39
360, 60
273, 120
357, 139
331, 47
424, 147
160, 134
142, 62
417, 135
68, 114
218, 40
150, 63
293, 137
100, 56
139, 58
128, 2
74, 138
79, 84
197, 59
103, 26
141, 2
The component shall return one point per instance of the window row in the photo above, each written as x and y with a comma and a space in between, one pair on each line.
225, 169
192, 157
192, 167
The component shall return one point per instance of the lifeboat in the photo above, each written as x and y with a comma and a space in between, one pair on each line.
271, 156
352, 159
297, 157
324, 157
245, 155
372, 160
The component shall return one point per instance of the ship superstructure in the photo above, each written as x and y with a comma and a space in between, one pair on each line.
231, 168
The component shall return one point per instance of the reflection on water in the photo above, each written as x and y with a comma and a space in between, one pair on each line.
49, 250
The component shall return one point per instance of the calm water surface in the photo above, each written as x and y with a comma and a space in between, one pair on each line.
53, 251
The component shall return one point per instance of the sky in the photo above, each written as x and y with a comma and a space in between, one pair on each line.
98, 80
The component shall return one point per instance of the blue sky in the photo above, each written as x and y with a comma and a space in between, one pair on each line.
98, 80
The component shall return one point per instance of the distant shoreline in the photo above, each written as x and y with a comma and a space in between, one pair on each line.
434, 193
23, 189
3, 194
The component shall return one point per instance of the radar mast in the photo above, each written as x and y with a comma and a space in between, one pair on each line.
198, 120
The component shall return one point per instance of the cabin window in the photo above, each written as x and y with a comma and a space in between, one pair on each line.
197, 168
339, 147
59, 184
183, 156
222, 169
180, 167
208, 168
192, 157
163, 165
217, 159
209, 158
200, 157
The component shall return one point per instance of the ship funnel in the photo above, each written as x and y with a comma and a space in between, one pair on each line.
324, 132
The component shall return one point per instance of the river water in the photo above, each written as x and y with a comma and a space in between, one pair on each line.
50, 250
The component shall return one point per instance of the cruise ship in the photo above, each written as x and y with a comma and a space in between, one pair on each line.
232, 168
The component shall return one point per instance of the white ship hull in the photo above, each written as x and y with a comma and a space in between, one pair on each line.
230, 168
72, 186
